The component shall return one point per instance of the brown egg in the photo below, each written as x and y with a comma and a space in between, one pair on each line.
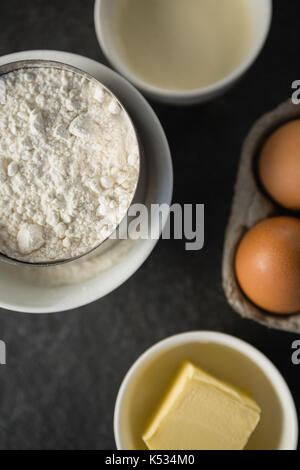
267, 265
279, 165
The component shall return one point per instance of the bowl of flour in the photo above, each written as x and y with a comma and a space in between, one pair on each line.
55, 288
69, 162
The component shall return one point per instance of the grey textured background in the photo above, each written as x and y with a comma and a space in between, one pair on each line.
59, 386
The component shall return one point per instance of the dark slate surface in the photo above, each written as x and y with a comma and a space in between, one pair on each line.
59, 386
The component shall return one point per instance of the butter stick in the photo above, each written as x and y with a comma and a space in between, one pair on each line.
200, 412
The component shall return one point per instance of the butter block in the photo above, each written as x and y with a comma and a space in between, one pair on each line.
200, 412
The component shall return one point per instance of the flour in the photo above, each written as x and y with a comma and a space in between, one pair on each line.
69, 164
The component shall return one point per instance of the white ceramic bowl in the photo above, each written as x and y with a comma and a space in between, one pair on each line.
104, 16
24, 295
227, 358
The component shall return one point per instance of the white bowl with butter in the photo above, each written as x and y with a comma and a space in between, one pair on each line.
176, 54
226, 358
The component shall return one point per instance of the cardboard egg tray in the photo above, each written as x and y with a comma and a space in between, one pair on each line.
250, 206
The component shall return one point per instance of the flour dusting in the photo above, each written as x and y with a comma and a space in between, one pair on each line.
69, 164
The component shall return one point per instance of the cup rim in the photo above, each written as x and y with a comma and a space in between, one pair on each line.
241, 346
212, 89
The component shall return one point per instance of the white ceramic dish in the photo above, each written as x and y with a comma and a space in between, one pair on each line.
22, 296
226, 357
103, 16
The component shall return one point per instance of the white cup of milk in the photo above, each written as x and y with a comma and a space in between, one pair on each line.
215, 80
224, 356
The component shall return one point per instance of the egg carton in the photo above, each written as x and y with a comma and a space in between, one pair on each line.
250, 206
